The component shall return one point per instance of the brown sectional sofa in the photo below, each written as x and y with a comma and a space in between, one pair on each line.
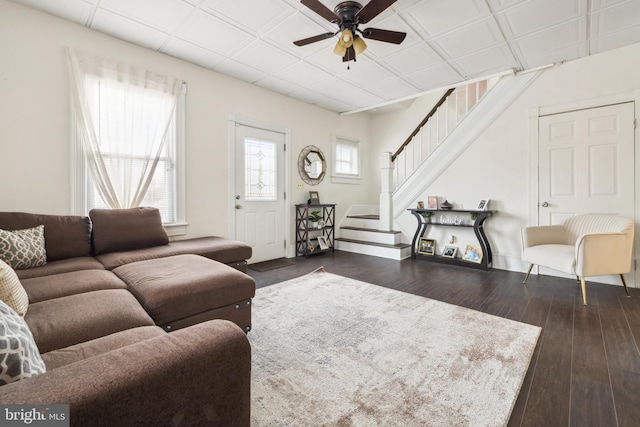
99, 310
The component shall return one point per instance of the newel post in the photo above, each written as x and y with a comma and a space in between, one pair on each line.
386, 202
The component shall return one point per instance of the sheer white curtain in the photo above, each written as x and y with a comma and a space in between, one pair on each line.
123, 115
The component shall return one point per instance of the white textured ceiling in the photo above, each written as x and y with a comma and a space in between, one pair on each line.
448, 41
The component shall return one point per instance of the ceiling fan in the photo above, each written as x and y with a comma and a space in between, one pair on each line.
348, 15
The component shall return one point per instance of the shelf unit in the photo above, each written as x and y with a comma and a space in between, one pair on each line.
478, 229
307, 236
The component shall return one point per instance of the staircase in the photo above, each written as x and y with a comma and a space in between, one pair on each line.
360, 234
447, 130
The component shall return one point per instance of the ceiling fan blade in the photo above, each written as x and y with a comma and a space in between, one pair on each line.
388, 36
373, 9
321, 10
313, 39
350, 55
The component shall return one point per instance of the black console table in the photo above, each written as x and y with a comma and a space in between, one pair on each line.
478, 228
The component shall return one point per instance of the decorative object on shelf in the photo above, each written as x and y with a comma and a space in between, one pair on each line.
315, 219
483, 205
473, 253
427, 216
427, 246
450, 251
311, 165
322, 242
450, 220
432, 202
420, 204
314, 198
321, 224
445, 206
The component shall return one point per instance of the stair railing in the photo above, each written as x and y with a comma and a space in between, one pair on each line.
396, 168
435, 127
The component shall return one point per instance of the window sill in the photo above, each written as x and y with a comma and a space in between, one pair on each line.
345, 179
176, 229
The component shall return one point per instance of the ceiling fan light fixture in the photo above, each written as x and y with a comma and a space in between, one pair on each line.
346, 38
359, 45
340, 49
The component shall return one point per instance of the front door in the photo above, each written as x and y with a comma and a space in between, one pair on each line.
586, 165
259, 191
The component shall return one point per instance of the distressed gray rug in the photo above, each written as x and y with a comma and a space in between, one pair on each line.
333, 351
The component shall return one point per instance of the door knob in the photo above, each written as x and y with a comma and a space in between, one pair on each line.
545, 205
238, 206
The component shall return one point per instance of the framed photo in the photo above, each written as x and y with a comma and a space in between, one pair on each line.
473, 254
482, 205
432, 202
427, 246
314, 198
322, 242
420, 205
449, 251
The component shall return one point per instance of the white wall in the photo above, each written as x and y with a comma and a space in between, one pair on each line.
497, 166
34, 122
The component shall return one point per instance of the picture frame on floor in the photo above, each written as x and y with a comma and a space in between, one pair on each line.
427, 246
449, 251
473, 253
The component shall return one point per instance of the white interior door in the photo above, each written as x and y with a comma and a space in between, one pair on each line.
259, 192
586, 165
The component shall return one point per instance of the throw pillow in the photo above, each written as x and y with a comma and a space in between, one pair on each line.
23, 248
11, 291
19, 355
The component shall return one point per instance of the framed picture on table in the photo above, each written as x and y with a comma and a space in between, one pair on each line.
432, 202
314, 198
483, 205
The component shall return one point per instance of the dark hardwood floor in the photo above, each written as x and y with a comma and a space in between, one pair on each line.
586, 367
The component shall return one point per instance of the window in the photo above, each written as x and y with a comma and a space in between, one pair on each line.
162, 192
128, 141
346, 160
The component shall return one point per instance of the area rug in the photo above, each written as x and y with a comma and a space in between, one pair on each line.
272, 264
333, 351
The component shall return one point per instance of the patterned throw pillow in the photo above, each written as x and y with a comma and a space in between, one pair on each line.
23, 248
19, 355
11, 290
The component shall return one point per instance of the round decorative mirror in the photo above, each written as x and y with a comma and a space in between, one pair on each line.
311, 165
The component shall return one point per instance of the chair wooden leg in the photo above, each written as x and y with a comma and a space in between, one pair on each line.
625, 286
528, 272
584, 291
